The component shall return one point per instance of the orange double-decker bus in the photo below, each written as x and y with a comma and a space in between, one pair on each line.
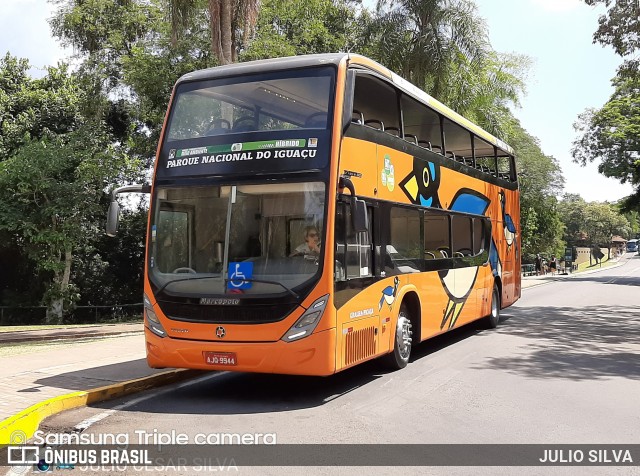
311, 213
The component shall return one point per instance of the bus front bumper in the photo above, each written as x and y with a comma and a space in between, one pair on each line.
313, 355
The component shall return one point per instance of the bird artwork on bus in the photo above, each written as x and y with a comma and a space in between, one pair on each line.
508, 225
421, 186
389, 294
458, 283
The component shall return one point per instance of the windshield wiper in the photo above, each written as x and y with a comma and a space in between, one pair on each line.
185, 279
226, 281
252, 280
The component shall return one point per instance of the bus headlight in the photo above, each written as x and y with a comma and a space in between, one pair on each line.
151, 320
305, 325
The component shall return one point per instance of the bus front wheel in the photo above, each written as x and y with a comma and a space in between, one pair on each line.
493, 318
399, 358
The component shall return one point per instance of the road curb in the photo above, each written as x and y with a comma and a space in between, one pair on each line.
20, 427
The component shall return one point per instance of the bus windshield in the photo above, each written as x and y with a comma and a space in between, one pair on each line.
248, 239
267, 102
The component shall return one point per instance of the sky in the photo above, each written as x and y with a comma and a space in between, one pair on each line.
568, 72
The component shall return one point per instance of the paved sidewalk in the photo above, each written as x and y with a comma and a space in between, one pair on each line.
51, 371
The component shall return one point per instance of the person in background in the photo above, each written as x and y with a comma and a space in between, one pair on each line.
553, 265
538, 264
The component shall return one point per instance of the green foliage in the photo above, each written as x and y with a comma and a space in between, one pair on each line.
592, 223
442, 47
110, 270
51, 192
611, 135
287, 28
573, 212
540, 180
620, 27
30, 109
602, 222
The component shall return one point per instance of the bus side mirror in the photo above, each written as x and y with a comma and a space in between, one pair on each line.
113, 217
359, 215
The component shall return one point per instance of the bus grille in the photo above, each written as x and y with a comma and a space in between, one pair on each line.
257, 314
359, 345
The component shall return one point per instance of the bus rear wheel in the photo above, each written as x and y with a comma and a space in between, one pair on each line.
399, 358
493, 319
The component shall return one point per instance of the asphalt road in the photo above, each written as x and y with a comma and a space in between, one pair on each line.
563, 367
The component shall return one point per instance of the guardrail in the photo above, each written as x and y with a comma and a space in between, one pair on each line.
528, 269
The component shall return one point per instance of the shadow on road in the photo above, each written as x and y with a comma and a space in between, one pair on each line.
246, 393
97, 376
589, 343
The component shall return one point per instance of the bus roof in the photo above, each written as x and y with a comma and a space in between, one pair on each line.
304, 61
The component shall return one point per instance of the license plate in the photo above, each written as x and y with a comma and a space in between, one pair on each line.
220, 358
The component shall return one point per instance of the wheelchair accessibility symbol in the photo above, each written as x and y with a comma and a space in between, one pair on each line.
239, 273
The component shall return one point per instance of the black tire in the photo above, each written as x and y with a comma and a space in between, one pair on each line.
493, 319
399, 358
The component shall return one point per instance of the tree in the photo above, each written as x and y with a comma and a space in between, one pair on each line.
102, 32
602, 222
611, 133
54, 175
573, 214
620, 27
287, 28
51, 192
611, 136
30, 109
231, 23
442, 46
421, 39
541, 180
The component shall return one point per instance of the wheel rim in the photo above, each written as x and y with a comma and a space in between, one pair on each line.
403, 336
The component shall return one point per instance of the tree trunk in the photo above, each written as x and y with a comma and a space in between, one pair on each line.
55, 311
220, 13
226, 38
215, 19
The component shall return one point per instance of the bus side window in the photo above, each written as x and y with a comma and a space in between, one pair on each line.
375, 101
436, 235
421, 123
462, 236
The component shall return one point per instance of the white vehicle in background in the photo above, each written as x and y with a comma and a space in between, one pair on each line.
632, 246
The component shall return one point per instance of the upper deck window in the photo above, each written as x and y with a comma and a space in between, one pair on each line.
266, 102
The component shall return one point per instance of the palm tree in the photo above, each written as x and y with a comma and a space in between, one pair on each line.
422, 39
231, 23
442, 47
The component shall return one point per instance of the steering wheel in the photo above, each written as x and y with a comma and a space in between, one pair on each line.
185, 269
218, 126
237, 123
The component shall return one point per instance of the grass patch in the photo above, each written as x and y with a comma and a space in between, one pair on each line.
60, 326
605, 263
10, 350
